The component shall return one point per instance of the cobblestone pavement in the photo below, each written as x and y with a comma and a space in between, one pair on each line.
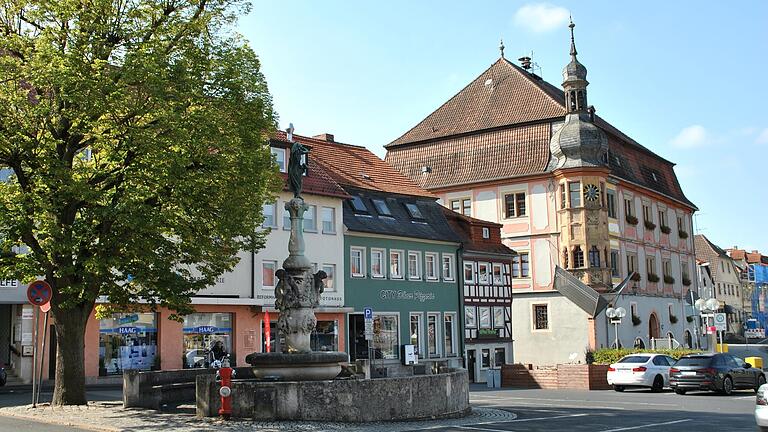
110, 417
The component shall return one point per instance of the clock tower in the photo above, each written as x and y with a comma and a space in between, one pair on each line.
578, 160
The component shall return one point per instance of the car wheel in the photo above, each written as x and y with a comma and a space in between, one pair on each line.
658, 384
760, 381
727, 386
618, 388
680, 391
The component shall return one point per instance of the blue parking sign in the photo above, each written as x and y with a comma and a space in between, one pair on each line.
368, 313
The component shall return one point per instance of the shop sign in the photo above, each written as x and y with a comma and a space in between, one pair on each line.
206, 329
418, 296
9, 283
128, 319
127, 330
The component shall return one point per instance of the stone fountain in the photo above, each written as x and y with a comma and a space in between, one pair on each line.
296, 296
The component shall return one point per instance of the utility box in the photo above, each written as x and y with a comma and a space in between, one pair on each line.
756, 362
409, 355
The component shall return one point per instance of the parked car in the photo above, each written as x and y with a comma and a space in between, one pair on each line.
722, 373
761, 408
640, 370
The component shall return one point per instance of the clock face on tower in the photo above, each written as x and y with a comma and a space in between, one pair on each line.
591, 192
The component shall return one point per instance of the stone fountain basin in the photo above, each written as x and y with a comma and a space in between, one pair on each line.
311, 366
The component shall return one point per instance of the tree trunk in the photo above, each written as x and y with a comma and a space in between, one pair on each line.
69, 388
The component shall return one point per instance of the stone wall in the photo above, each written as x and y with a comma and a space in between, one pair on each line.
563, 376
347, 400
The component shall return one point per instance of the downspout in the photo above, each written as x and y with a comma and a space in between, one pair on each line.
253, 275
460, 313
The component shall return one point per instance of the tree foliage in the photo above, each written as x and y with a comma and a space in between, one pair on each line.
133, 148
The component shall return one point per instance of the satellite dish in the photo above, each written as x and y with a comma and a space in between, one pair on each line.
621, 312
610, 312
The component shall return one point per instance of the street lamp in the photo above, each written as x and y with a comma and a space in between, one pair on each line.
616, 314
708, 308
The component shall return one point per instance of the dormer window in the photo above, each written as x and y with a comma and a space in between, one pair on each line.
381, 207
358, 205
414, 211
486, 233
279, 154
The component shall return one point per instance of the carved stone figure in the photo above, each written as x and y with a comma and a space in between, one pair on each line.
296, 168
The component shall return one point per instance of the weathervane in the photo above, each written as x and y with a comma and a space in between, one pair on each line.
501, 47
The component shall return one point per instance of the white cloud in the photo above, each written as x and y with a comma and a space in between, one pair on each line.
763, 137
541, 17
691, 137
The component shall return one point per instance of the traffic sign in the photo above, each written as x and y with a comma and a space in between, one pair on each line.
39, 293
720, 322
368, 313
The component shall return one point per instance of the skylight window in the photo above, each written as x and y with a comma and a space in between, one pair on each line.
358, 205
414, 211
382, 208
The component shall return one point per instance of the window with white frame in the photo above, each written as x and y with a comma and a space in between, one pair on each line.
470, 316
433, 334
357, 261
469, 272
330, 280
448, 268
449, 331
520, 265
462, 205
483, 273
386, 343
279, 154
329, 220
430, 264
611, 204
416, 332
310, 219
498, 274
268, 269
514, 205
269, 215
486, 233
396, 264
498, 317
414, 265
485, 317
377, 263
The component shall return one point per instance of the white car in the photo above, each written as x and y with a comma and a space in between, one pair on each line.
640, 370
761, 408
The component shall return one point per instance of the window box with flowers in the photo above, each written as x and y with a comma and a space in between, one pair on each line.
636, 320
665, 229
686, 281
673, 319
632, 220
682, 234
653, 278
636, 277
649, 225
669, 280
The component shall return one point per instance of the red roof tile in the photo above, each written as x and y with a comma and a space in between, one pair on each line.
469, 231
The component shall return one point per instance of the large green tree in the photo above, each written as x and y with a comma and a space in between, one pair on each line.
133, 155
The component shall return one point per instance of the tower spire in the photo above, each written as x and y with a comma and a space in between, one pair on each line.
573, 43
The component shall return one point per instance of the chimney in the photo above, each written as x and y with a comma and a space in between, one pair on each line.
754, 252
324, 137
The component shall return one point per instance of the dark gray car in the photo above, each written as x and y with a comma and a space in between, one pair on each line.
722, 373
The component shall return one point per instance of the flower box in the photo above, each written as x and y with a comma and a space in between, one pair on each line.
653, 278
665, 229
631, 220
649, 225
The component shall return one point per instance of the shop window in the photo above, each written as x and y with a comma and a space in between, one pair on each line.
202, 333
268, 269
269, 215
470, 317
325, 337
449, 330
386, 343
416, 332
540, 317
431, 266
486, 359
377, 263
433, 335
396, 264
448, 268
128, 341
329, 220
485, 317
500, 357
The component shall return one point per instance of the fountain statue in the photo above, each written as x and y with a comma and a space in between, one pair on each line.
296, 296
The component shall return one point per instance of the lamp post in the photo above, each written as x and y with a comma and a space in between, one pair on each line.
616, 314
708, 308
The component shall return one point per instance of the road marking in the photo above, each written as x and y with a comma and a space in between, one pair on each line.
646, 425
589, 401
745, 397
546, 418
538, 404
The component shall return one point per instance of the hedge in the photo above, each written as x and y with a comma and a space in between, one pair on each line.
611, 355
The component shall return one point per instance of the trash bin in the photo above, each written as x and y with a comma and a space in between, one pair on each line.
489, 377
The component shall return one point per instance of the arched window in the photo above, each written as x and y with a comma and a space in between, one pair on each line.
580, 103
578, 257
639, 343
565, 258
688, 339
594, 257
572, 100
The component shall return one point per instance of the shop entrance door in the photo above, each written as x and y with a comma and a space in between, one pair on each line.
471, 364
358, 346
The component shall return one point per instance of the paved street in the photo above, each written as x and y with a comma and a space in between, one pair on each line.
532, 410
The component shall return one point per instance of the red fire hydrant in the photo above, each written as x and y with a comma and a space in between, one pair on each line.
226, 374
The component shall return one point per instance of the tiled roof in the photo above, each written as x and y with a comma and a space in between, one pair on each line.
474, 158
500, 96
737, 254
486, 133
462, 226
317, 181
355, 166
702, 243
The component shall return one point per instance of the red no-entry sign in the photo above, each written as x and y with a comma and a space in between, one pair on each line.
39, 293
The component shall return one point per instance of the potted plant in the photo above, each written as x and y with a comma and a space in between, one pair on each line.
653, 278
673, 319
636, 277
686, 281
669, 280
682, 234
636, 320
632, 220
665, 229
649, 225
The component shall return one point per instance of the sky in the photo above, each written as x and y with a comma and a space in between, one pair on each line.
683, 78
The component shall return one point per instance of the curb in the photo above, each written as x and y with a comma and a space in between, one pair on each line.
51, 421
